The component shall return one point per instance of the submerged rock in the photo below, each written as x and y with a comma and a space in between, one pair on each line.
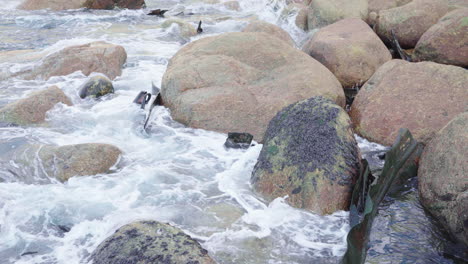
186, 29
149, 242
33, 109
311, 155
326, 12
443, 177
55, 5
349, 49
239, 81
447, 41
422, 97
111, 4
270, 29
99, 56
238, 140
410, 21
96, 86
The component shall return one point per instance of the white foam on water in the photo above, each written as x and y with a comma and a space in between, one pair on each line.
172, 174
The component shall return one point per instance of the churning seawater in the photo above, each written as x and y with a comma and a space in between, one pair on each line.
171, 173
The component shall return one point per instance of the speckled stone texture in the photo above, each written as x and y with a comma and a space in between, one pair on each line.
447, 41
273, 30
326, 12
238, 81
96, 86
33, 109
150, 242
310, 154
422, 97
443, 177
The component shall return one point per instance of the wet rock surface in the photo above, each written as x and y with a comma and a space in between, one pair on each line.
238, 140
148, 242
349, 49
443, 178
111, 4
96, 86
326, 12
410, 21
309, 154
239, 81
33, 108
422, 97
446, 41
99, 56
273, 30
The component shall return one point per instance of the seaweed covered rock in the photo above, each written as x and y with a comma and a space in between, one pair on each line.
310, 154
96, 86
55, 5
446, 41
272, 30
99, 56
148, 242
325, 12
422, 97
33, 109
239, 81
349, 49
443, 177
410, 21
111, 4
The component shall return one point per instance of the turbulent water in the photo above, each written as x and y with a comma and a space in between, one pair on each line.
171, 173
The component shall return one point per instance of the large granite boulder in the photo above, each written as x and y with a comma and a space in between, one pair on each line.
101, 57
378, 5
96, 86
443, 177
273, 30
111, 4
35, 163
446, 41
410, 21
33, 109
239, 81
149, 242
55, 5
310, 154
422, 97
325, 12
349, 49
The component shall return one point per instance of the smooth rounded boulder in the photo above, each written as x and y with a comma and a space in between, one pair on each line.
111, 4
422, 97
326, 12
33, 108
273, 30
443, 177
311, 155
446, 41
410, 21
149, 242
99, 56
186, 29
350, 49
55, 5
239, 81
96, 86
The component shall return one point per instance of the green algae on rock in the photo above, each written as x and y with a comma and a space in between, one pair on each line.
443, 177
33, 109
310, 154
149, 242
96, 86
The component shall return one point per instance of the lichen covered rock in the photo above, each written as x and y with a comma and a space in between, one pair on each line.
96, 86
33, 109
443, 177
149, 242
310, 154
